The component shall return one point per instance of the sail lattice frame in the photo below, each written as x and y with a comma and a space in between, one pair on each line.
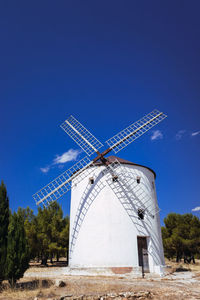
63, 183
137, 193
81, 135
134, 131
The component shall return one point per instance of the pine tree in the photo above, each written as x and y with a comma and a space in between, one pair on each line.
50, 223
17, 250
64, 237
181, 236
4, 221
30, 226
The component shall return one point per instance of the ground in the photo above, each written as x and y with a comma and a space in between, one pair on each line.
38, 283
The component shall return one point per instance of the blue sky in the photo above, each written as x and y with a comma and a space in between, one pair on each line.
108, 63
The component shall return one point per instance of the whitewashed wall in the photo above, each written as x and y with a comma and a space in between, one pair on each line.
106, 231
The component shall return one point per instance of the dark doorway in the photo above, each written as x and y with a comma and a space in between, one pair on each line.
143, 253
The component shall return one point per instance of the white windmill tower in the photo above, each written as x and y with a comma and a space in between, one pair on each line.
114, 216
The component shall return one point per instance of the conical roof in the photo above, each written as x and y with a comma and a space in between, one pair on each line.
112, 159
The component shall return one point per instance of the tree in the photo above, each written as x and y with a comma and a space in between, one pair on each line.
64, 237
30, 226
50, 224
181, 236
4, 221
17, 249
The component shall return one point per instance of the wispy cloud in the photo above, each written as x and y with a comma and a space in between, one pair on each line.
45, 169
184, 132
59, 160
70, 155
180, 134
195, 133
196, 208
157, 134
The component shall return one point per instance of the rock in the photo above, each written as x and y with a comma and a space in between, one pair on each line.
111, 295
65, 297
40, 294
59, 283
140, 295
46, 283
128, 294
79, 297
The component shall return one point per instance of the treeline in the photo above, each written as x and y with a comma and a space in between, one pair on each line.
47, 233
181, 237
25, 236
14, 250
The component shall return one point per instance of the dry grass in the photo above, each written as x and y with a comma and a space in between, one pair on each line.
40, 293
29, 288
188, 267
10, 294
26, 289
81, 285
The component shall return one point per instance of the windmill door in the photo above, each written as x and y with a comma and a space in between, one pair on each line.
143, 253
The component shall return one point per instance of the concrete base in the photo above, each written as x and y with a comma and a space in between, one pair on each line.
133, 272
125, 272
160, 270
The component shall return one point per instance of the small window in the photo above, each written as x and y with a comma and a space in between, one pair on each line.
138, 179
141, 213
115, 178
153, 186
91, 180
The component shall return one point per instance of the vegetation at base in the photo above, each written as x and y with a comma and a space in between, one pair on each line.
25, 236
181, 237
47, 233
4, 221
17, 261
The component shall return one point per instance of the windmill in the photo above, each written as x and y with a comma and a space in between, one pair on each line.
89, 178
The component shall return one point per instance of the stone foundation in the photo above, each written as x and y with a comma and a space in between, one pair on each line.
112, 296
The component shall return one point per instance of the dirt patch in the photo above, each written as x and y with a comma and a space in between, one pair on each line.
78, 287
176, 285
187, 267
